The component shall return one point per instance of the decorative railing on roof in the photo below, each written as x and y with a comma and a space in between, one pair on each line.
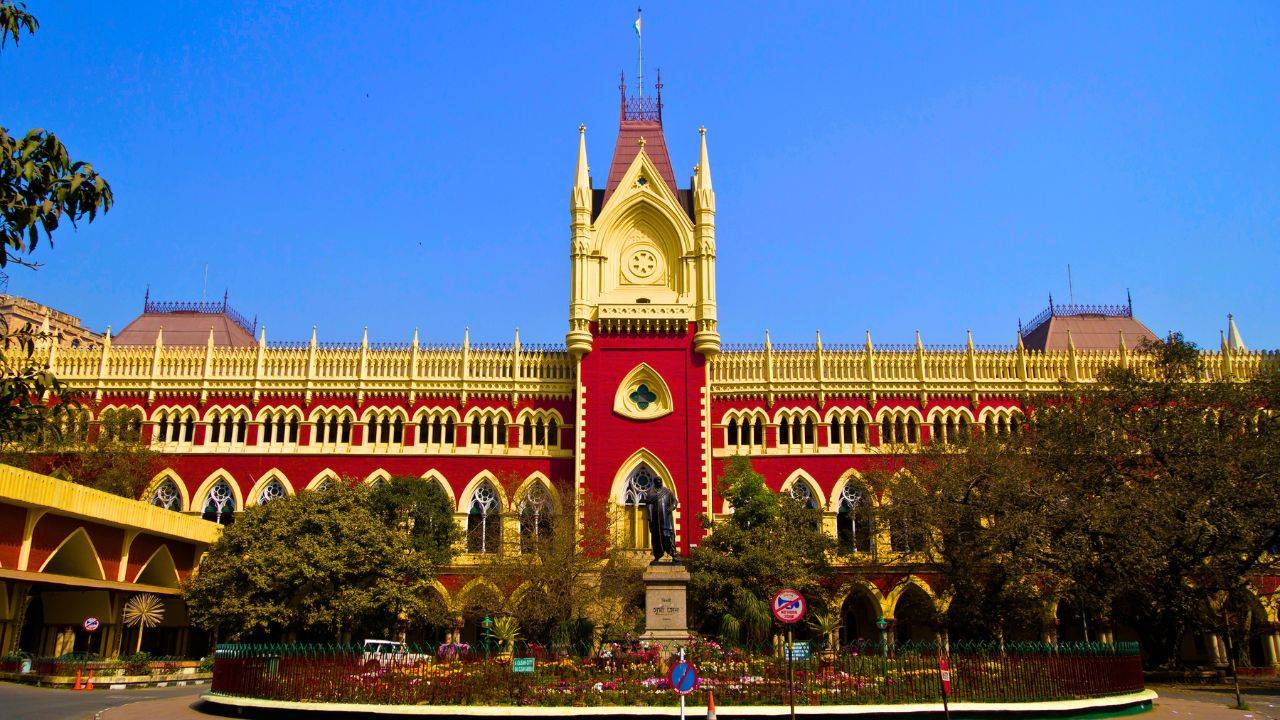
818, 370
361, 369
211, 307
1076, 310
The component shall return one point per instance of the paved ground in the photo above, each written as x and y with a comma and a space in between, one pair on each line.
20, 702
24, 702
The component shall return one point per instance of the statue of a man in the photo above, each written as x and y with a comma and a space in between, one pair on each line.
662, 527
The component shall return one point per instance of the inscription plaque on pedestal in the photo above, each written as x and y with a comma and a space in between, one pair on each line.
665, 603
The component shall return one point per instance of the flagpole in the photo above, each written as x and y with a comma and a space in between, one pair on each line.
640, 52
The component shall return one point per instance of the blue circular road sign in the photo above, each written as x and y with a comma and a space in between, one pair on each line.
683, 677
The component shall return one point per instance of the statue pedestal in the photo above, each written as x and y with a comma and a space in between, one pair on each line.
665, 603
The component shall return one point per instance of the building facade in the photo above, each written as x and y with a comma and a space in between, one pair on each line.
642, 392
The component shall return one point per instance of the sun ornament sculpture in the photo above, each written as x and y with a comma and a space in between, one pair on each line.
143, 611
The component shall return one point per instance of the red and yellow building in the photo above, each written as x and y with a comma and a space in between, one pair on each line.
642, 391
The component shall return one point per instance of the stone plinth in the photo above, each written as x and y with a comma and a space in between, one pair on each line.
665, 603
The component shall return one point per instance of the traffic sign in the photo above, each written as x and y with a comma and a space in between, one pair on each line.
944, 673
522, 665
788, 606
683, 677
91, 624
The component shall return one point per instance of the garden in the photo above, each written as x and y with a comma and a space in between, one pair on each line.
634, 674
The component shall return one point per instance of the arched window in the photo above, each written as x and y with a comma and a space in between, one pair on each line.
484, 521
853, 519
757, 435
219, 504
535, 518
731, 433
333, 427
803, 494
273, 490
167, 495
635, 507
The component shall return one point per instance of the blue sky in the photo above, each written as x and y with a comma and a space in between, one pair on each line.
892, 167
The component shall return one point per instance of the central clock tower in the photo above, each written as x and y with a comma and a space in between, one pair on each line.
642, 323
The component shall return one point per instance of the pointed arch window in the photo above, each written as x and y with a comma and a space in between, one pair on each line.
167, 496
535, 518
273, 490
219, 504
484, 521
803, 494
635, 507
853, 520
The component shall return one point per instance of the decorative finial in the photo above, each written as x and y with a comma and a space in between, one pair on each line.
641, 142
702, 130
582, 129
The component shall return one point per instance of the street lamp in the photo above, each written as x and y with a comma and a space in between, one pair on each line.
883, 623
487, 623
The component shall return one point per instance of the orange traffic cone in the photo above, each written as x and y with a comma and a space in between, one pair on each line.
78, 686
89, 685
711, 705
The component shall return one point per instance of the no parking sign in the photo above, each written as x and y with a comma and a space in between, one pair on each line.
90, 624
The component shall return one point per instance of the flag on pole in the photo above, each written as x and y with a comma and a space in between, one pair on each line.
637, 23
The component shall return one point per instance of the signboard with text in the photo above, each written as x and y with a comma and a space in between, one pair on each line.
522, 665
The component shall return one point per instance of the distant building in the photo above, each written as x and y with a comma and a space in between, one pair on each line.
188, 323
17, 313
1086, 327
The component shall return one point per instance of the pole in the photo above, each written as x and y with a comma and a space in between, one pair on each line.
1231, 655
942, 685
681, 706
791, 678
639, 52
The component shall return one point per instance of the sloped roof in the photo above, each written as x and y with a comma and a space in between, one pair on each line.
1091, 327
187, 324
639, 118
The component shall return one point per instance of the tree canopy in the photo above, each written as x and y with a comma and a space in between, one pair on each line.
1142, 501
323, 564
769, 542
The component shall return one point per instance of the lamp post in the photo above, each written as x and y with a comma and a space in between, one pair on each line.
883, 623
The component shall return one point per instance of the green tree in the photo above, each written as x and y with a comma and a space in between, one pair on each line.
422, 510
322, 564
768, 543
1142, 500
40, 187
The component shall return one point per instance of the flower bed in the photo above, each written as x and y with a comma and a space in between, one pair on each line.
636, 676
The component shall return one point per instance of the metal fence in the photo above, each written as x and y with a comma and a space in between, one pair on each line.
617, 676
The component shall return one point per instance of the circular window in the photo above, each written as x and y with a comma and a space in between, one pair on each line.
642, 263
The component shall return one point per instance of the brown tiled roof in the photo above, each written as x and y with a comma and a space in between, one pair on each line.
1088, 332
628, 147
188, 323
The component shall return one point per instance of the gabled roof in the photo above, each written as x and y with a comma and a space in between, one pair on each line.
1089, 327
639, 118
188, 324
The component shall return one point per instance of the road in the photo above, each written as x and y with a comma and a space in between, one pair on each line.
25, 702
22, 702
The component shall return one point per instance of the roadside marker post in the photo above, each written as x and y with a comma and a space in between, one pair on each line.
684, 678
788, 607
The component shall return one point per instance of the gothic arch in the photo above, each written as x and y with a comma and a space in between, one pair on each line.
169, 474
437, 477
324, 476
799, 475
472, 590
377, 476
159, 569
658, 402
267, 477
464, 499
202, 493
938, 603
850, 476
643, 455
536, 478
867, 589
75, 556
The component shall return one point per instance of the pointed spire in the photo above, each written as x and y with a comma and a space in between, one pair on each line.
209, 341
313, 336
1233, 335
969, 339
704, 162
262, 336
582, 175
415, 337
160, 336
818, 334
1222, 342
868, 341
364, 337
1021, 347
1071, 344
1123, 345
767, 345
919, 343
